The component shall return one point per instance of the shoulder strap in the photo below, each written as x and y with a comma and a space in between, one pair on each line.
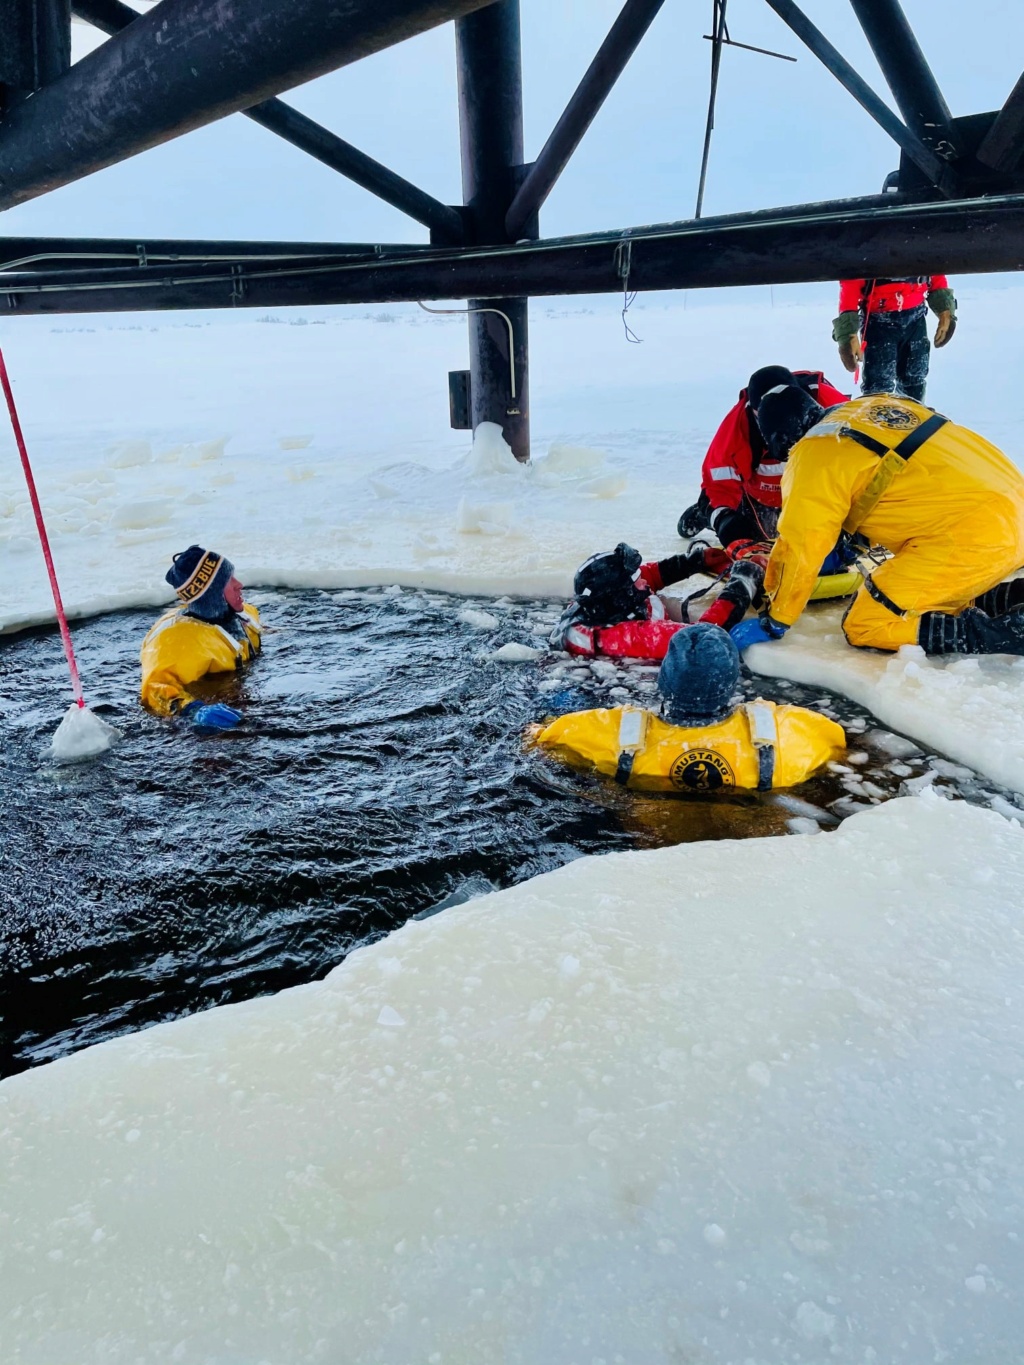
632, 737
893, 461
764, 736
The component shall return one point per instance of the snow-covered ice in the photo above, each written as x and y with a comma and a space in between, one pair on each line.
970, 708
608, 1114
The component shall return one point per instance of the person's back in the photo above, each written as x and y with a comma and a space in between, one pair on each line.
705, 741
698, 758
953, 474
213, 631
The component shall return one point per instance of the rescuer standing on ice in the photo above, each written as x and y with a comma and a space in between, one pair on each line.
705, 740
213, 631
881, 327
942, 499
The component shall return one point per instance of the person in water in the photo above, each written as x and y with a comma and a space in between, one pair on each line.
214, 630
946, 503
705, 739
617, 611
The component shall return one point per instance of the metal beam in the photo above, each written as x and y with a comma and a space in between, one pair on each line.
908, 74
111, 16
936, 170
964, 237
92, 253
623, 38
1003, 144
35, 45
489, 62
341, 156
183, 65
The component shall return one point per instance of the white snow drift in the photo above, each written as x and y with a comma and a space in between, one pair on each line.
748, 1102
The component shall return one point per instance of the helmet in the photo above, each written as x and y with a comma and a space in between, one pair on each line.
606, 587
786, 416
699, 675
766, 380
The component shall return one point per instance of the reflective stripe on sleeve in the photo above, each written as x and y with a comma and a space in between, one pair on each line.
725, 472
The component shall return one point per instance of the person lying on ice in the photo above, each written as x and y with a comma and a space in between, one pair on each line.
740, 478
705, 739
618, 611
213, 631
945, 501
881, 327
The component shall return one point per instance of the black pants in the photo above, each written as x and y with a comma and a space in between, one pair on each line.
896, 354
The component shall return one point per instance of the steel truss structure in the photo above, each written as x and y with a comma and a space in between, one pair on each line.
957, 204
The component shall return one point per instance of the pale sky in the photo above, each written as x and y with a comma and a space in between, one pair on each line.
785, 133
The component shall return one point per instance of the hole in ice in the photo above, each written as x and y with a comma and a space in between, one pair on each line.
379, 775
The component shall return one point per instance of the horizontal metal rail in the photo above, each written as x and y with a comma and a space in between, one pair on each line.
790, 246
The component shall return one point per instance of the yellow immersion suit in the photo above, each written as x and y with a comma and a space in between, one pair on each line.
180, 649
950, 507
759, 746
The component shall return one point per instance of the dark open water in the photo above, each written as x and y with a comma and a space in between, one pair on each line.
379, 772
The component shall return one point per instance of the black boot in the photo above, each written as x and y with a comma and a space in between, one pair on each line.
1002, 598
971, 631
695, 518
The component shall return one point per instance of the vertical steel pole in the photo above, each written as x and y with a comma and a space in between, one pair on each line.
489, 58
35, 46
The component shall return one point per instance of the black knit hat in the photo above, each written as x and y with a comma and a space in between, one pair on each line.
763, 381
605, 587
786, 416
699, 675
199, 577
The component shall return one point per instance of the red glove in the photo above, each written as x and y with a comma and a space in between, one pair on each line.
757, 551
716, 561
651, 575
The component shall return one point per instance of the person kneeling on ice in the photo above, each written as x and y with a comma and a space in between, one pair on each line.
942, 499
213, 631
705, 739
740, 477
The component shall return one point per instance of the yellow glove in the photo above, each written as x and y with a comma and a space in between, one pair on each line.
850, 351
945, 328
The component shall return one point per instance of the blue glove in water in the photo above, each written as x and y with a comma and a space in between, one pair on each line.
215, 716
758, 631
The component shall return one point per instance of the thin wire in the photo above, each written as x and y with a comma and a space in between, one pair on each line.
719, 33
623, 258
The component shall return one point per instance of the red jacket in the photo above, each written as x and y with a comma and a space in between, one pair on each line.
887, 296
733, 465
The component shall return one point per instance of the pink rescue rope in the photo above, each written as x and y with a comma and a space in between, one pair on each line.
65, 634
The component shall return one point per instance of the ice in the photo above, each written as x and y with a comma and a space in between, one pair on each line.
81, 735
894, 745
803, 1106
802, 824
479, 620
798, 806
491, 454
514, 653
971, 709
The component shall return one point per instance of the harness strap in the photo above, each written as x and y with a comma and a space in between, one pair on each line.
764, 736
882, 598
893, 461
632, 737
